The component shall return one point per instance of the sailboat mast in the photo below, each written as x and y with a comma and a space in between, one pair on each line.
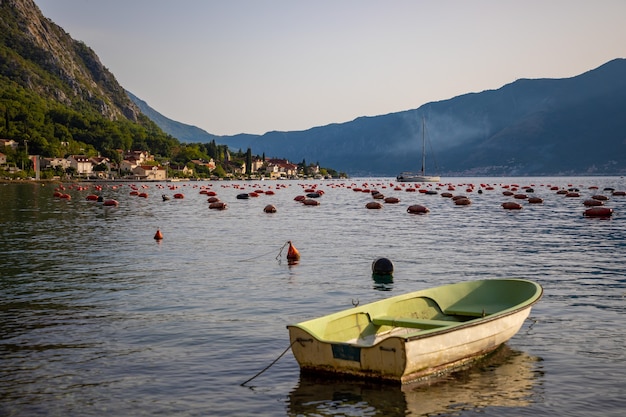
423, 146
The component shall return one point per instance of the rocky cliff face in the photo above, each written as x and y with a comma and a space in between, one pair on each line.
41, 56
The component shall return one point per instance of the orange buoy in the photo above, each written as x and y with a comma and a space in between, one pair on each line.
417, 209
179, 195
92, 197
392, 200
292, 253
300, 198
511, 205
213, 199
310, 202
158, 235
598, 212
535, 200
270, 208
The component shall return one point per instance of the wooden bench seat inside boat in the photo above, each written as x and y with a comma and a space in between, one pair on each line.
467, 310
410, 322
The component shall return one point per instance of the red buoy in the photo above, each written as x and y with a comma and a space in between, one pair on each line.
593, 203
417, 209
511, 205
598, 212
158, 235
110, 203
374, 205
462, 201
218, 205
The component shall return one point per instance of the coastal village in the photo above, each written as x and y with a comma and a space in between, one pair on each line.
142, 166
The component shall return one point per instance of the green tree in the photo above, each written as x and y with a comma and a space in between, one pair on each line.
249, 162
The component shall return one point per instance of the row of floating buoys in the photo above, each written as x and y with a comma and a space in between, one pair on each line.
313, 193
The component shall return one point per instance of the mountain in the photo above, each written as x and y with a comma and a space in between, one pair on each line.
41, 56
572, 126
181, 131
57, 97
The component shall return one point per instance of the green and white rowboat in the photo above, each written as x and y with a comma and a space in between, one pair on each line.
412, 336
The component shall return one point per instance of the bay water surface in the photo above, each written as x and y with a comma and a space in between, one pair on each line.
97, 318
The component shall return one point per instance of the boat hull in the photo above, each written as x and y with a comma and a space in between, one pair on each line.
417, 178
400, 349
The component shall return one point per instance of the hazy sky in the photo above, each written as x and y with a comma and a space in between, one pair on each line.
235, 66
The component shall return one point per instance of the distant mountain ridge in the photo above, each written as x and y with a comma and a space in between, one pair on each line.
572, 126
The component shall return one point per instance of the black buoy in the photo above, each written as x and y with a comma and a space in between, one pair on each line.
382, 266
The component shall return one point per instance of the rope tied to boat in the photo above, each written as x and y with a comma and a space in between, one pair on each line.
273, 362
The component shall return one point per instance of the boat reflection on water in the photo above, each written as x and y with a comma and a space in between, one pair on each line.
505, 378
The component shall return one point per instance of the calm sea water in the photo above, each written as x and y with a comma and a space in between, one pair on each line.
99, 319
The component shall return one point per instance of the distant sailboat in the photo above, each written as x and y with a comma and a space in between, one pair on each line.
420, 176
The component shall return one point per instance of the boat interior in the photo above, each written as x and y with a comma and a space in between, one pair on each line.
402, 318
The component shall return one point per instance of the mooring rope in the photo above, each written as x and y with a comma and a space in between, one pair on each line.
265, 254
268, 366
280, 252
